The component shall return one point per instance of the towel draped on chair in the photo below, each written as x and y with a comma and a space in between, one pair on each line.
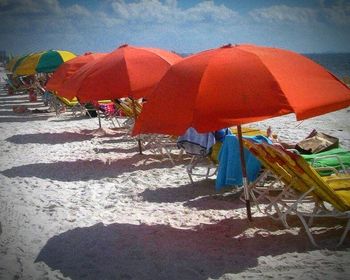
195, 143
230, 171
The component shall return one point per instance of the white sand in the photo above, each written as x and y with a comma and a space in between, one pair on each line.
76, 206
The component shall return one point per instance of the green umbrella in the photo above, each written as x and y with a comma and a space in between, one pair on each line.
42, 62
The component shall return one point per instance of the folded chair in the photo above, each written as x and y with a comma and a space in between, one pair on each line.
330, 195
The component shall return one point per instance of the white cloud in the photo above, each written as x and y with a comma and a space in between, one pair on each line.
208, 10
4, 3
77, 10
20, 16
144, 10
106, 20
168, 24
283, 13
338, 13
16, 7
335, 12
160, 12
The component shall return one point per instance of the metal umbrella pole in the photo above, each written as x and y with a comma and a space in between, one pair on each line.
244, 173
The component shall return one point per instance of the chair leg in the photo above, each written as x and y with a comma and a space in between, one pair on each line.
169, 155
111, 119
307, 229
346, 230
190, 175
311, 219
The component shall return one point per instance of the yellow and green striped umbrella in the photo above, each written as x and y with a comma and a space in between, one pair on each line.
42, 62
11, 63
17, 60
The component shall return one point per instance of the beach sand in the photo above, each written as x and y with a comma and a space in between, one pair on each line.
79, 205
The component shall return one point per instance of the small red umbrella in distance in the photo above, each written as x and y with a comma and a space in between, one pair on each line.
66, 70
128, 71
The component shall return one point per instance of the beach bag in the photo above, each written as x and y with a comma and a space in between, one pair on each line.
317, 142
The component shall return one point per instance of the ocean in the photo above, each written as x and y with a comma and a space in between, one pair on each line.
336, 63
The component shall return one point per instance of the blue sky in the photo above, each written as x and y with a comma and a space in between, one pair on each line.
184, 26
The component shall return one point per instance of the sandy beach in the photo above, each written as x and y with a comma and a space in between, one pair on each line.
76, 204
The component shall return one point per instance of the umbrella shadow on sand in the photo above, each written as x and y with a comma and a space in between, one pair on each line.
48, 138
133, 149
84, 170
61, 137
9, 116
18, 97
126, 251
200, 195
181, 193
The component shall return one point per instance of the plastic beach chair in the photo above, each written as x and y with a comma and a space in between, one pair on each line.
199, 147
337, 158
269, 187
14, 84
206, 164
156, 143
330, 195
128, 110
60, 105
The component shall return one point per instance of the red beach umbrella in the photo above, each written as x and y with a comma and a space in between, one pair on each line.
234, 85
67, 69
127, 71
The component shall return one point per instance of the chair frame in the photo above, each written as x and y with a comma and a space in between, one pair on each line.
302, 186
196, 163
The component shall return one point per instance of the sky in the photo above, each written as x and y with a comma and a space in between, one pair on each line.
183, 26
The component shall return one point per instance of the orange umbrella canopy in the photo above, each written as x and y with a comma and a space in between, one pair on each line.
67, 69
127, 71
234, 85
73, 81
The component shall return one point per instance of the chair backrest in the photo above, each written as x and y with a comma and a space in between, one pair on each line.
274, 164
108, 108
68, 103
126, 106
298, 167
249, 131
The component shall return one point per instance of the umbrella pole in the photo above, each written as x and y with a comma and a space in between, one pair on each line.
99, 118
135, 117
244, 173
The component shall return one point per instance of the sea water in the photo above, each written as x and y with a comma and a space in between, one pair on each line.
336, 63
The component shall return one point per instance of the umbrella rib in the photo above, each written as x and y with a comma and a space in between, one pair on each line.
199, 91
128, 75
273, 77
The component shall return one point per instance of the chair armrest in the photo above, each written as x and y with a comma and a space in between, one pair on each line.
336, 157
327, 168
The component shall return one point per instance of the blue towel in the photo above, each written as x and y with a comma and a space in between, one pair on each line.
195, 143
230, 171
